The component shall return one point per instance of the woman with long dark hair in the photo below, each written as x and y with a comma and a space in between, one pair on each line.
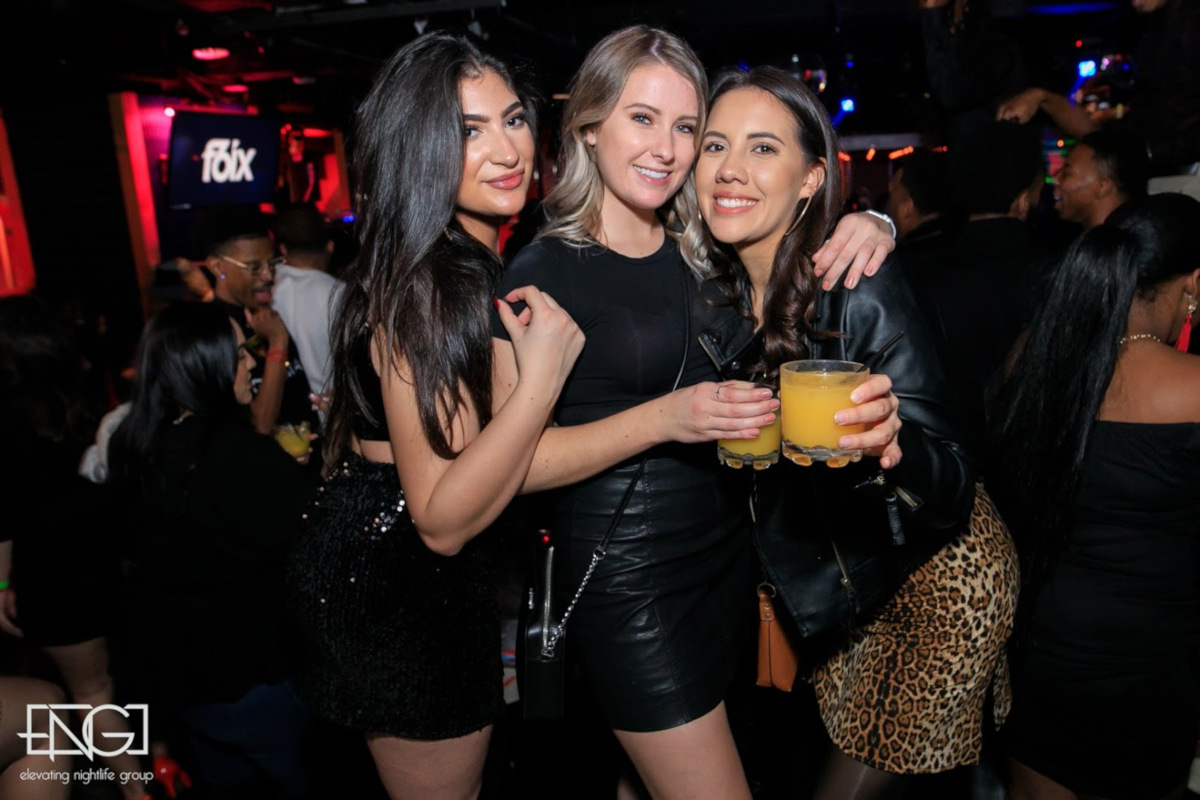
660, 625
1100, 444
210, 508
903, 690
394, 594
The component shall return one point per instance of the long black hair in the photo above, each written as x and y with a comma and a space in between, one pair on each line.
1054, 394
792, 289
419, 276
186, 361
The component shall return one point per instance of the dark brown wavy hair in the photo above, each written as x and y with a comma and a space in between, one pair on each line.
792, 289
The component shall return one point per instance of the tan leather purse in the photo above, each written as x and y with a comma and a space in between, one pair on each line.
777, 664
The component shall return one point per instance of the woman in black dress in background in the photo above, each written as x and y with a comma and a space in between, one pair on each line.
1101, 444
394, 596
210, 508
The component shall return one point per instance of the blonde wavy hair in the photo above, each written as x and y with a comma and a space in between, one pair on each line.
573, 205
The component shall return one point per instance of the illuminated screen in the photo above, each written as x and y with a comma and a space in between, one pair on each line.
219, 158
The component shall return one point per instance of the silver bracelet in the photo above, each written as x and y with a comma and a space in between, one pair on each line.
883, 217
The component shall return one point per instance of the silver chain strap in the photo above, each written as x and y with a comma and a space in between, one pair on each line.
556, 633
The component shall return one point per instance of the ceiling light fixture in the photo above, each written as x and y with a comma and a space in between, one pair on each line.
210, 53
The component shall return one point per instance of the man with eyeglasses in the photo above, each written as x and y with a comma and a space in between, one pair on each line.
240, 255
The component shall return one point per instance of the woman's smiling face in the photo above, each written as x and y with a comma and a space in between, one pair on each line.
752, 171
646, 145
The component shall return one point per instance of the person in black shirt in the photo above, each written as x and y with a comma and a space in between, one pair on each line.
980, 295
210, 507
919, 204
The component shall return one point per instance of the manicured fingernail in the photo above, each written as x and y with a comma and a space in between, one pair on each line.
826, 285
839, 418
496, 302
855, 397
851, 283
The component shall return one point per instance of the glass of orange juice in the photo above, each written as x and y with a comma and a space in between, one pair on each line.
760, 452
810, 393
294, 439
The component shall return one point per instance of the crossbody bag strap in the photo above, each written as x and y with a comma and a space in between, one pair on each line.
556, 634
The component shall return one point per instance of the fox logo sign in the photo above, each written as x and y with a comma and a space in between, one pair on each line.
225, 161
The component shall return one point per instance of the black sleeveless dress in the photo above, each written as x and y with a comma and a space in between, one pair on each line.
399, 640
662, 624
1107, 686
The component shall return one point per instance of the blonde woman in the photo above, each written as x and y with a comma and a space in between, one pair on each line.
660, 624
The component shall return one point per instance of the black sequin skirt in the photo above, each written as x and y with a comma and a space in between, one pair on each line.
398, 639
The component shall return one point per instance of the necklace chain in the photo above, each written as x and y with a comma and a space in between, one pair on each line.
1135, 337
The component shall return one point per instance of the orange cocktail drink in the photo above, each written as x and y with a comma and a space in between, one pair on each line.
760, 452
810, 393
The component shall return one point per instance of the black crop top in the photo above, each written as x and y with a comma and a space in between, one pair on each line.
372, 391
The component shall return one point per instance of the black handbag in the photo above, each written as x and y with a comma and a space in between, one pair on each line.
540, 638
543, 680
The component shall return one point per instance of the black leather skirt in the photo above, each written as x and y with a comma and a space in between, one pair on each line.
661, 625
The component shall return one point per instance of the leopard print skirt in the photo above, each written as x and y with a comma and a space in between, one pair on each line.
906, 693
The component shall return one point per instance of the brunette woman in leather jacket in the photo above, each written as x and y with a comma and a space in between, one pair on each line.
901, 682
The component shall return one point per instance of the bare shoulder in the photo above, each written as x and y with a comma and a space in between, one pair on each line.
1159, 385
1181, 390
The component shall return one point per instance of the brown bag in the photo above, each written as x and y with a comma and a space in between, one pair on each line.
776, 658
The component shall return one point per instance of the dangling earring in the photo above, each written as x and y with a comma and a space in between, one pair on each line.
1185, 333
803, 211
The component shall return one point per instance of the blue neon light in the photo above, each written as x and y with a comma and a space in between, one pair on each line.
847, 105
1087, 68
1060, 9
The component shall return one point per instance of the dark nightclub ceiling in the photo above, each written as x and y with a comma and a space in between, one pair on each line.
312, 59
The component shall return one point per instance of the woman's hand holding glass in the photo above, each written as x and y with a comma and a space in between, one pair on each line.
546, 341
875, 406
710, 411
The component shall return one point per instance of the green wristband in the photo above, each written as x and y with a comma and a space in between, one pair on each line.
3, 584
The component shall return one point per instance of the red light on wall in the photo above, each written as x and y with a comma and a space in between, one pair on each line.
843, 156
210, 53
1079, 43
870, 154
900, 153
235, 88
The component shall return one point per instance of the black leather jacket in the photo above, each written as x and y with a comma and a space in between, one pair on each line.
858, 507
